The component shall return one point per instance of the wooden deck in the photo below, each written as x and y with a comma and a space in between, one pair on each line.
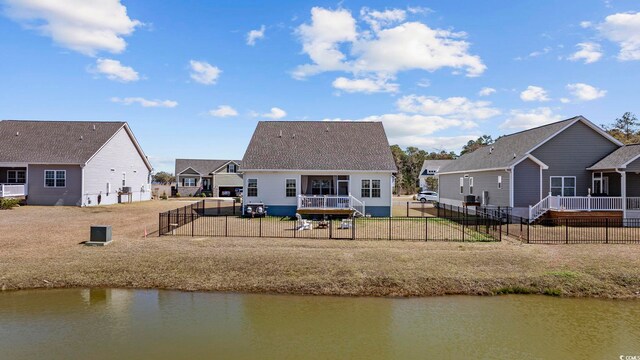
324, 211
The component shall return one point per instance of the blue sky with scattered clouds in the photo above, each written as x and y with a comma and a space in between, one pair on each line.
192, 78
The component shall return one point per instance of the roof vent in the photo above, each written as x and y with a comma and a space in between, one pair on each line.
327, 129
94, 127
17, 133
81, 138
514, 155
293, 136
280, 135
491, 150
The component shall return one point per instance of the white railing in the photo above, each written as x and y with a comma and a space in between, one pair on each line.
330, 202
540, 208
633, 203
13, 190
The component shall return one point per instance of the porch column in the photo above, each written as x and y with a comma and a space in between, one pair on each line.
623, 184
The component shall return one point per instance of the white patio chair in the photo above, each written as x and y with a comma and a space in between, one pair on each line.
303, 224
345, 224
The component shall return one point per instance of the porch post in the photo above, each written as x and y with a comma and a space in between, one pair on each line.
623, 184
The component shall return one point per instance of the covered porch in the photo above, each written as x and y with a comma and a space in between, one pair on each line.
13, 180
327, 194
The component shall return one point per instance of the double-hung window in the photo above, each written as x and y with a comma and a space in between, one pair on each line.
189, 182
563, 185
499, 182
55, 178
16, 177
370, 188
461, 185
231, 168
252, 187
290, 188
470, 185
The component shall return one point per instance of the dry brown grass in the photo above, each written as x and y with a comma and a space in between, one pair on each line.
40, 247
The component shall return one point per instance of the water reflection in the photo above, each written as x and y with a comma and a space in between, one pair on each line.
113, 323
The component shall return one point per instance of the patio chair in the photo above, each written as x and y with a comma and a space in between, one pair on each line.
303, 224
345, 224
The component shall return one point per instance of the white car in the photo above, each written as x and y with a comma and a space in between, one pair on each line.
427, 196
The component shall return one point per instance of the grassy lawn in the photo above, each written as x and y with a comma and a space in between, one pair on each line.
39, 248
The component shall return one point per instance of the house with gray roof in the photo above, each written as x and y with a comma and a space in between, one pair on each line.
319, 168
81, 163
220, 178
429, 170
567, 166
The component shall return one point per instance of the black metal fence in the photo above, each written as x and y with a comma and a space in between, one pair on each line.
191, 221
581, 231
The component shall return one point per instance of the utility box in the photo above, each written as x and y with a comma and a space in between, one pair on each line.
100, 235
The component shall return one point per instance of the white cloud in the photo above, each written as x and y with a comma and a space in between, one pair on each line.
534, 93
424, 83
544, 51
623, 29
203, 72
403, 125
114, 70
254, 35
585, 92
366, 85
85, 26
585, 24
381, 19
456, 107
588, 51
144, 102
447, 143
275, 113
521, 119
486, 91
333, 43
223, 111
565, 100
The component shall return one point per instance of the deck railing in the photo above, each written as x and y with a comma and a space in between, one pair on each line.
330, 202
13, 190
582, 203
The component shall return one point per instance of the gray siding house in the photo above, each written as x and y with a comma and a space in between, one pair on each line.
78, 163
213, 177
571, 165
319, 168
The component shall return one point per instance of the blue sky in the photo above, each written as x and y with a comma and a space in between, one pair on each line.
193, 78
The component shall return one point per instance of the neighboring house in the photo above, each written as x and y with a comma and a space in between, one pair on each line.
429, 170
571, 165
80, 163
212, 177
319, 167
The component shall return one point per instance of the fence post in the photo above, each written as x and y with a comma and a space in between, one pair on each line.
353, 228
606, 230
226, 226
426, 228
192, 224
527, 231
260, 227
159, 224
218, 207
389, 228
462, 229
566, 229
330, 229
407, 209
501, 230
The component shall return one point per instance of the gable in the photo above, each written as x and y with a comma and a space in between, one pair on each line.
189, 171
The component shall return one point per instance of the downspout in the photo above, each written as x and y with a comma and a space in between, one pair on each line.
82, 196
510, 172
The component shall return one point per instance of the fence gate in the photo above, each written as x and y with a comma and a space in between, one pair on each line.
341, 229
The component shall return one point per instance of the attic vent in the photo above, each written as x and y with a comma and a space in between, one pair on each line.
491, 150
280, 135
94, 127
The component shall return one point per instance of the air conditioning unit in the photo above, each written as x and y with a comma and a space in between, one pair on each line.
126, 189
485, 198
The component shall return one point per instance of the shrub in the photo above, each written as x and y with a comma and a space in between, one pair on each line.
203, 194
190, 195
178, 195
8, 203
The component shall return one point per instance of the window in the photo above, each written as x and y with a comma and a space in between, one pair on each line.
499, 182
231, 168
55, 178
563, 185
252, 187
366, 188
461, 185
320, 187
16, 177
370, 188
290, 188
189, 182
375, 188
470, 185
124, 179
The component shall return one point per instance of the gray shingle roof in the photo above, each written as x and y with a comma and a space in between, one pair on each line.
203, 166
319, 145
433, 165
618, 158
504, 149
53, 142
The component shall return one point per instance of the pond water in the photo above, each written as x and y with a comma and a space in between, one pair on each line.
127, 324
